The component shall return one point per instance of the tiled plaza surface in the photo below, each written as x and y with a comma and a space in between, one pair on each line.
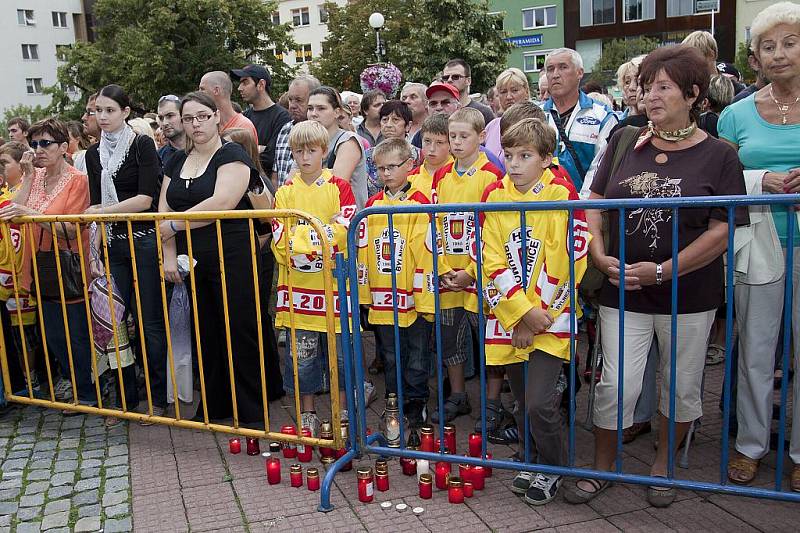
65, 474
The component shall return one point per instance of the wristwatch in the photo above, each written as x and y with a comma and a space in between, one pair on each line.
659, 274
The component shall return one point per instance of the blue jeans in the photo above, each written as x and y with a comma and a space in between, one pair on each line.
79, 341
155, 339
414, 358
312, 361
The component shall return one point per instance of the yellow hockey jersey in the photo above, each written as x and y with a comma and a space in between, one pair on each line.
511, 290
412, 260
298, 251
422, 180
11, 251
457, 229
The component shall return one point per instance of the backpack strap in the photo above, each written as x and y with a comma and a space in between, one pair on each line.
626, 140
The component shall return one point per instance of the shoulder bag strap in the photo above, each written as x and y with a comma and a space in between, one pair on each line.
332, 156
567, 143
627, 138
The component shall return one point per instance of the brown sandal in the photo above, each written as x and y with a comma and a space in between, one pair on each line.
742, 470
795, 480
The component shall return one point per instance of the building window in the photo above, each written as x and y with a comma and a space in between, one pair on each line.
61, 51
25, 17
34, 85
534, 61
59, 19
499, 20
636, 10
30, 51
278, 55
680, 8
595, 12
303, 54
538, 17
276, 17
300, 17
323, 15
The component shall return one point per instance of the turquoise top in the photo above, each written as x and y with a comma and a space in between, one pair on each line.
763, 146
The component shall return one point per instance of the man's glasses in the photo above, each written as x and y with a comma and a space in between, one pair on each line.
391, 168
199, 118
44, 143
452, 77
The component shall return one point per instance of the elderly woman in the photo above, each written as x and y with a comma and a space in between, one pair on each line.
512, 88
765, 128
628, 83
56, 188
672, 158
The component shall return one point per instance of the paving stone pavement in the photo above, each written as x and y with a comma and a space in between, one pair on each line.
56, 470
73, 474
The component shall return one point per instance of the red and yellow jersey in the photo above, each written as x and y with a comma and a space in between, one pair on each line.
422, 180
298, 250
412, 260
11, 257
457, 229
525, 270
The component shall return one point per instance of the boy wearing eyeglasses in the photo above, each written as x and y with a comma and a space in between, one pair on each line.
404, 247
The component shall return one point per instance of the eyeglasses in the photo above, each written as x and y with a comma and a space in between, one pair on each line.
90, 113
169, 98
453, 77
44, 143
391, 168
199, 118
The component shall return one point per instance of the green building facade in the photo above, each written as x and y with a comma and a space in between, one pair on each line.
535, 27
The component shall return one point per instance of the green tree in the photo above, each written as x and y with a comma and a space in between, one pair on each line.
156, 47
618, 51
421, 36
748, 74
29, 113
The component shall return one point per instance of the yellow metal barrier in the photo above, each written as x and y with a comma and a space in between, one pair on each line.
81, 224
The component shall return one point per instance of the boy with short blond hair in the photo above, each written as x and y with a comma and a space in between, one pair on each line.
436, 149
461, 181
296, 245
409, 252
526, 283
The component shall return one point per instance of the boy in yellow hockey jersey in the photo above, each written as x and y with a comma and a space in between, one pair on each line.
527, 287
412, 253
436, 151
297, 247
461, 181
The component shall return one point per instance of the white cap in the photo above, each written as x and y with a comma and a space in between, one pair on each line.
401, 507
386, 505
418, 510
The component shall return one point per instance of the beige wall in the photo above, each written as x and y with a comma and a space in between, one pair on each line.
746, 11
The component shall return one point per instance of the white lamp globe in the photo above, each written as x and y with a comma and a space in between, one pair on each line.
376, 20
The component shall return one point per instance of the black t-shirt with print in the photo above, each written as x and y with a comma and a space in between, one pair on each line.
268, 123
709, 168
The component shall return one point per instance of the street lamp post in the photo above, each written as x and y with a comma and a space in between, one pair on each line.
376, 20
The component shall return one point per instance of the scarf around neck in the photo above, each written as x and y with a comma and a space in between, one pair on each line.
113, 151
677, 135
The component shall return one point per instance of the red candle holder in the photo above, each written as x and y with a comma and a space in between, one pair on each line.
442, 474
304, 451
477, 477
382, 479
426, 486
408, 465
252, 446
365, 485
312, 479
273, 470
468, 489
475, 441
464, 472
450, 438
455, 490
235, 445
289, 448
296, 475
488, 469
426, 439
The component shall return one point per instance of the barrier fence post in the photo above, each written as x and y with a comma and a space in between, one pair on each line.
729, 368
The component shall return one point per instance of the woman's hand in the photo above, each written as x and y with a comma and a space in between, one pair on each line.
96, 268
609, 266
774, 182
26, 164
165, 228
13, 210
94, 210
645, 273
791, 184
171, 273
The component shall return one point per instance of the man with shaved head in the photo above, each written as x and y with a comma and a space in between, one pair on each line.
218, 86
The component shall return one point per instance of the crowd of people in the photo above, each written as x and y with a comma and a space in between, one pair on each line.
685, 127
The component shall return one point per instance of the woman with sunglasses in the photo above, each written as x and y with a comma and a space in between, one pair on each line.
124, 175
213, 175
50, 186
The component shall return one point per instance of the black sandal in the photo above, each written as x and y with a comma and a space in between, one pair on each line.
575, 494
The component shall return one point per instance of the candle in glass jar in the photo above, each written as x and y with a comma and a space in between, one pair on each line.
382, 478
305, 451
423, 467
327, 454
450, 438
296, 475
235, 445
455, 491
289, 449
365, 485
426, 438
468, 489
252, 446
442, 474
488, 469
273, 470
477, 477
408, 465
274, 448
312, 479
426, 486
475, 441
464, 472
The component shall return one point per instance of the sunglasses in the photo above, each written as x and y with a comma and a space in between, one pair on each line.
453, 77
44, 143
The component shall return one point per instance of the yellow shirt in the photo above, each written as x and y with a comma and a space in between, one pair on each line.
422, 180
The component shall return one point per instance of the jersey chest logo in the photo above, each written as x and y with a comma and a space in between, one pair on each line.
459, 229
383, 251
522, 259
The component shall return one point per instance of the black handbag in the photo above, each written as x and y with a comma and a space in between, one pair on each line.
49, 278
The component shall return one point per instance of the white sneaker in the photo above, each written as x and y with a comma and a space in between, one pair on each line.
370, 393
543, 489
311, 421
62, 390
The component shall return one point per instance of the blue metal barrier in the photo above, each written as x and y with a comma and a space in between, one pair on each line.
352, 343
